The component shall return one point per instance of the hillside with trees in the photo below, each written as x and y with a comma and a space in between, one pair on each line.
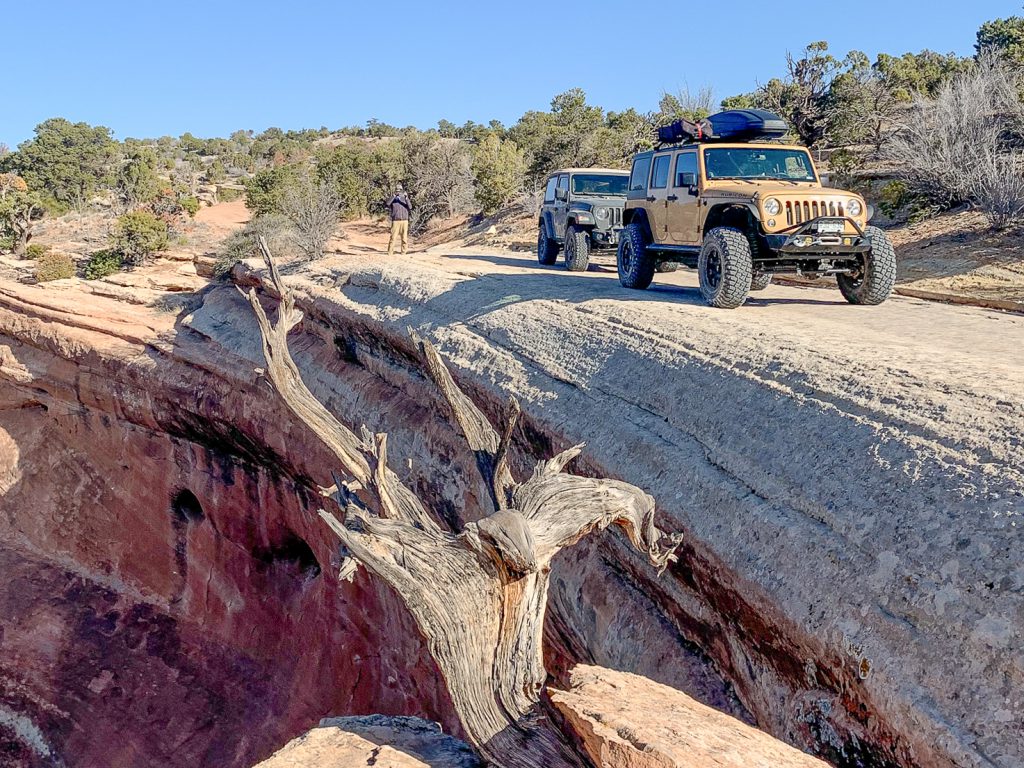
919, 133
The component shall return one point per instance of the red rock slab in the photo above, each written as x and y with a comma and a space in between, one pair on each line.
382, 742
628, 721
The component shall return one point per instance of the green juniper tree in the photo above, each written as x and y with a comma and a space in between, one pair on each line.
69, 162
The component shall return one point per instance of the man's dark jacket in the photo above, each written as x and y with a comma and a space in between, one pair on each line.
399, 207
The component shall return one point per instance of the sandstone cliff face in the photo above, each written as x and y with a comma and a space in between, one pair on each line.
162, 576
165, 574
848, 580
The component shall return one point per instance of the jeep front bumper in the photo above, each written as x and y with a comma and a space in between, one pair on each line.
818, 237
605, 238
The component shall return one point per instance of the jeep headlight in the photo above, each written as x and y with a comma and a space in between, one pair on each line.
854, 207
601, 213
772, 206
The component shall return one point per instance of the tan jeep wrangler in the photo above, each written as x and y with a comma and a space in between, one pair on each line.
740, 210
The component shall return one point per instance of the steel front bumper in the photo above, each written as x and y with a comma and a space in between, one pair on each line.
810, 241
605, 238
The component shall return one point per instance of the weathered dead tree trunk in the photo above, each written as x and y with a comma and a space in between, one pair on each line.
478, 596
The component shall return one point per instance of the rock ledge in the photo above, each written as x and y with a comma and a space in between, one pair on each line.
628, 721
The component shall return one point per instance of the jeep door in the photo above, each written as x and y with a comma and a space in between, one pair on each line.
548, 207
684, 200
560, 208
657, 197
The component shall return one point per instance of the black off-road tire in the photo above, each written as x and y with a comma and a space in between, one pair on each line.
666, 266
577, 249
760, 280
636, 267
725, 267
547, 249
877, 275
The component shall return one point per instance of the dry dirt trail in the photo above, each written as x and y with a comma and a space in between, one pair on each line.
224, 218
849, 482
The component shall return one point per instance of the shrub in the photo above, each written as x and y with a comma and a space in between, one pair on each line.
138, 235
137, 181
498, 170
103, 263
263, 191
234, 248
843, 167
845, 162
54, 266
893, 198
962, 145
169, 208
229, 195
314, 209
439, 176
6, 242
997, 187
191, 206
20, 210
36, 250
240, 245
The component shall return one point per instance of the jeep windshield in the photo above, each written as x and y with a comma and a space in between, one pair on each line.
599, 184
758, 163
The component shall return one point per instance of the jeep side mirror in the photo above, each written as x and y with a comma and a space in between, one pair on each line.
688, 180
562, 194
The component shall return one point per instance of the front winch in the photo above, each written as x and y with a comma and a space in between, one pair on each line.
821, 235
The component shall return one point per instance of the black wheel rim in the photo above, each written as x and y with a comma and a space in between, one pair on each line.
627, 257
856, 277
713, 268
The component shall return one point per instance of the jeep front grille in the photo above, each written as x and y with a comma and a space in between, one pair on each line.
799, 211
616, 217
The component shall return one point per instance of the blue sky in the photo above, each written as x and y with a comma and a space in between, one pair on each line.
147, 69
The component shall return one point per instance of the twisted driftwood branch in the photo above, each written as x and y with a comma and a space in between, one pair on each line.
478, 596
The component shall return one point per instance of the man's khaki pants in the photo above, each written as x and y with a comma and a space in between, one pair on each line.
399, 231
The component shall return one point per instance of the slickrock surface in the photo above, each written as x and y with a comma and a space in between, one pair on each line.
627, 721
381, 742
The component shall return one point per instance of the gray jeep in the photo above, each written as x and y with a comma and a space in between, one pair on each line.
582, 210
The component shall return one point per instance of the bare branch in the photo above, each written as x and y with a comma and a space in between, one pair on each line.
394, 499
502, 479
284, 375
483, 439
557, 464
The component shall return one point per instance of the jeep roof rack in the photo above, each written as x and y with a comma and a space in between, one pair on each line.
739, 125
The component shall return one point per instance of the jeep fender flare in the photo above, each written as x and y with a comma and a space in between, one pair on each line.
638, 216
545, 221
581, 219
742, 216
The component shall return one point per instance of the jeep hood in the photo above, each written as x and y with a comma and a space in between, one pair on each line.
771, 188
586, 203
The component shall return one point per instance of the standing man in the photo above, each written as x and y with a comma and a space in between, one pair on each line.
399, 208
